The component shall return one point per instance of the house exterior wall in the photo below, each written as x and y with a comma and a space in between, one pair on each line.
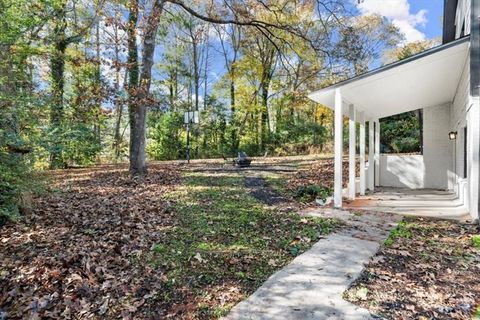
402, 171
465, 113
430, 169
462, 18
458, 122
437, 151
442, 164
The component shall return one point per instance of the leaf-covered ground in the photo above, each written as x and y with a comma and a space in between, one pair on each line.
177, 245
320, 173
428, 269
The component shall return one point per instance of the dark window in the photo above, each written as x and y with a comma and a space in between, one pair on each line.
465, 152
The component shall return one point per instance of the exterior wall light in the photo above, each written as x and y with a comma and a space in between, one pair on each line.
452, 135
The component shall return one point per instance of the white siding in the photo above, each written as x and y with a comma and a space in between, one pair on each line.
402, 171
459, 121
465, 113
430, 170
462, 18
437, 152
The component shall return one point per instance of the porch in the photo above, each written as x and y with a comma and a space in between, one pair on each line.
428, 203
442, 181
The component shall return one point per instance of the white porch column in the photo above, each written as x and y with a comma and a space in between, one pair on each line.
371, 155
351, 152
474, 157
362, 152
377, 152
337, 198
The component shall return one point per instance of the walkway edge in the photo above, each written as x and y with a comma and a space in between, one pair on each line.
312, 285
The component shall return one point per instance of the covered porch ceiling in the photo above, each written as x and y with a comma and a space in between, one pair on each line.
427, 79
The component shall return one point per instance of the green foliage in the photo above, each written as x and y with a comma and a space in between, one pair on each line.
409, 49
401, 231
401, 133
312, 191
12, 179
296, 137
357, 294
17, 180
20, 106
476, 241
165, 136
81, 145
476, 315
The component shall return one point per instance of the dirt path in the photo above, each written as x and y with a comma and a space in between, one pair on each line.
261, 191
256, 180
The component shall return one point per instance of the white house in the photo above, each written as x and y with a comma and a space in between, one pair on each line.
444, 83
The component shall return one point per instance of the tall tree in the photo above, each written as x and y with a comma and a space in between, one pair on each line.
230, 40
114, 34
138, 111
65, 31
363, 39
255, 13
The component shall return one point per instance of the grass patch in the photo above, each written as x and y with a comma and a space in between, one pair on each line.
278, 183
476, 241
356, 295
226, 235
401, 231
476, 315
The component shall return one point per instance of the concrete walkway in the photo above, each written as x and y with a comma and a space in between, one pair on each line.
419, 202
312, 285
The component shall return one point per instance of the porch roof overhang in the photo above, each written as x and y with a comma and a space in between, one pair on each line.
427, 79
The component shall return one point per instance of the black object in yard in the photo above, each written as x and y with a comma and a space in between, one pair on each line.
243, 160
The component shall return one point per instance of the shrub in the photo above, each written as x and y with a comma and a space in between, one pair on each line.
312, 191
14, 182
165, 140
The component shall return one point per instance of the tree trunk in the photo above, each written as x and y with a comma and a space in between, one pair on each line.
264, 129
235, 134
205, 76
118, 103
118, 121
98, 90
57, 65
196, 71
138, 112
133, 74
232, 92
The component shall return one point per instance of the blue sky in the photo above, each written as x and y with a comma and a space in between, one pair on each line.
434, 9
417, 19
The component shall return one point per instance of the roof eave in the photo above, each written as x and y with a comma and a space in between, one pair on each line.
393, 65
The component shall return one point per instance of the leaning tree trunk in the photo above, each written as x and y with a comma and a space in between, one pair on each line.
138, 112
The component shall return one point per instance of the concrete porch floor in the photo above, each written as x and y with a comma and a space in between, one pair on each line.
420, 202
